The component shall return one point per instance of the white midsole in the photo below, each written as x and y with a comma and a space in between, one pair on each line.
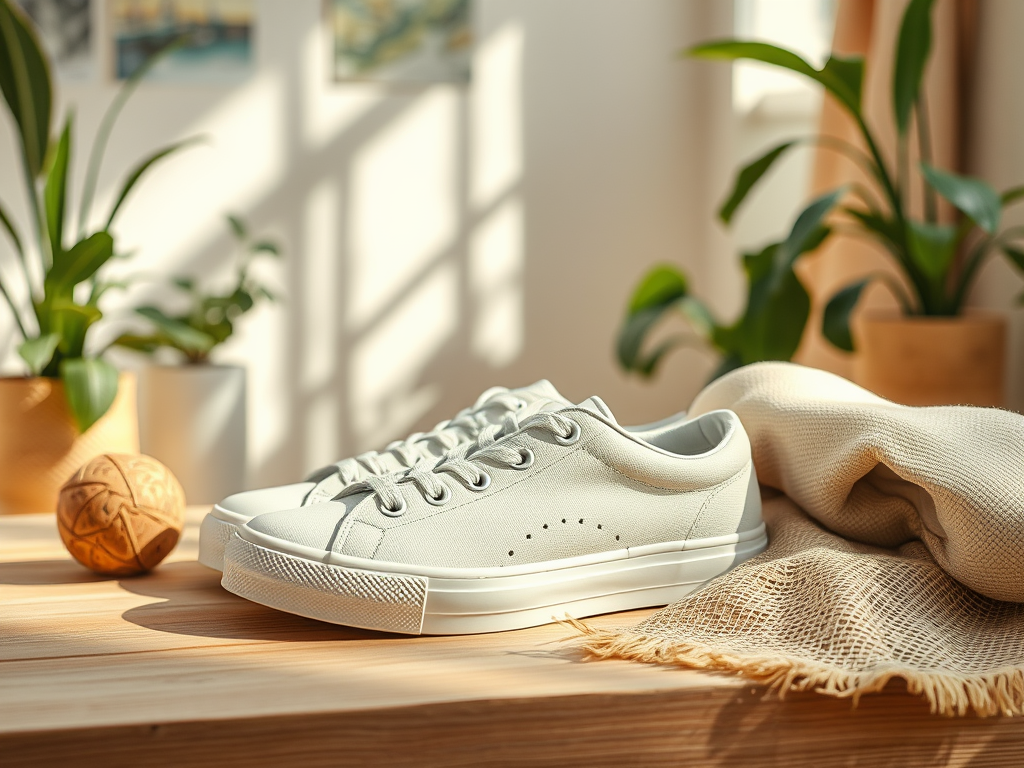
217, 527
421, 604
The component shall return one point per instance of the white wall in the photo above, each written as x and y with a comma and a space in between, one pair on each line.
440, 240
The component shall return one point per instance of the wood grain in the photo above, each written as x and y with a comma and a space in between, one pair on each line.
168, 669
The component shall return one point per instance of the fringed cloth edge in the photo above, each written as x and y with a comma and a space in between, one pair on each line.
999, 692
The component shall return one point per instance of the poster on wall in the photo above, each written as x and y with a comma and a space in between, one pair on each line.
213, 38
66, 31
401, 41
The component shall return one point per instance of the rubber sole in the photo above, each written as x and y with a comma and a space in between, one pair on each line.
214, 534
416, 604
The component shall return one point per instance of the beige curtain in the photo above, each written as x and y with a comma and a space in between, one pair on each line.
870, 28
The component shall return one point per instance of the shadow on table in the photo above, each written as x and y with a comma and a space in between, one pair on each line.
193, 603
47, 572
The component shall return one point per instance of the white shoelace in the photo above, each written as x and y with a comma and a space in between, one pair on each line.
463, 428
464, 462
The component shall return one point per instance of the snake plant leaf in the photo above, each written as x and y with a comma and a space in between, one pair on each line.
912, 50
835, 323
25, 83
973, 197
182, 335
748, 176
91, 386
141, 168
80, 263
839, 76
932, 249
38, 352
662, 285
56, 191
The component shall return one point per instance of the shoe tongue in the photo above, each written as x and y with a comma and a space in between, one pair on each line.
596, 405
542, 390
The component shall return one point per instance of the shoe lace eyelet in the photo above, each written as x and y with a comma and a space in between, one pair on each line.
444, 498
482, 484
527, 459
396, 512
572, 437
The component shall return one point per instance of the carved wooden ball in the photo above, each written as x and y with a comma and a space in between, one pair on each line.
121, 514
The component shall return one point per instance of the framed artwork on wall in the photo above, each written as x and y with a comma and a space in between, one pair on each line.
401, 41
215, 38
66, 31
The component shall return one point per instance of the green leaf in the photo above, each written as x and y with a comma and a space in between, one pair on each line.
71, 322
808, 231
141, 168
265, 246
974, 197
56, 191
835, 325
91, 386
932, 249
26, 86
912, 51
138, 343
632, 334
238, 226
38, 352
181, 335
80, 263
659, 287
777, 309
1016, 255
1012, 195
748, 176
887, 229
840, 77
11, 231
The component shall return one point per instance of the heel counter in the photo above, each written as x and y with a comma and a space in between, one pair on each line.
733, 507
751, 517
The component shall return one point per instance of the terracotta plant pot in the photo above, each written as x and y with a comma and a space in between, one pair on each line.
193, 421
933, 360
40, 447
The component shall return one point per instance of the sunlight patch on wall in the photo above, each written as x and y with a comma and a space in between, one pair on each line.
402, 213
384, 393
320, 322
495, 279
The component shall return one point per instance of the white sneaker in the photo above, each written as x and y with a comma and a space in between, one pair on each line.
324, 484
565, 513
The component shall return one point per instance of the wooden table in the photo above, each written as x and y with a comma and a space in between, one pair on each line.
169, 669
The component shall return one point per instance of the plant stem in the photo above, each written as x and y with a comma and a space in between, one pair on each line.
976, 259
14, 310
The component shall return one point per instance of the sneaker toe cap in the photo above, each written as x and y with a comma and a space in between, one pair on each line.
250, 504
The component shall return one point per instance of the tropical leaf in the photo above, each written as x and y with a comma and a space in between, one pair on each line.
25, 83
80, 263
141, 168
912, 51
777, 309
91, 386
56, 191
38, 352
1016, 255
748, 176
182, 335
265, 246
808, 232
632, 335
662, 285
1012, 195
840, 77
238, 226
71, 322
932, 249
973, 197
835, 325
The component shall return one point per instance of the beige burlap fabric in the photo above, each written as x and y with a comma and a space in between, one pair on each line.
896, 551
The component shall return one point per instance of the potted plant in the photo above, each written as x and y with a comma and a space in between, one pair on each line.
769, 328
72, 404
193, 415
933, 352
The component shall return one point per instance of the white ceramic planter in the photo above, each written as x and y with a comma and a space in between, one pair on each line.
192, 418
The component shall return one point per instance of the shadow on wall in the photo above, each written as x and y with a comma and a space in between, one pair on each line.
441, 240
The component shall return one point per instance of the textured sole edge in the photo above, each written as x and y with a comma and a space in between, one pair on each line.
214, 535
410, 604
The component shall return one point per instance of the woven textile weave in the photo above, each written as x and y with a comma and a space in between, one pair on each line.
896, 550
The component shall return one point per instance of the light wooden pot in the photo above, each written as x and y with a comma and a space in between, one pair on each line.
933, 360
192, 419
40, 446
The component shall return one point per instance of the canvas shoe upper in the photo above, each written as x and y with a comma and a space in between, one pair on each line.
563, 512
323, 484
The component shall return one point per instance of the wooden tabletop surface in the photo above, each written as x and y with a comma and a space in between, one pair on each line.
169, 669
